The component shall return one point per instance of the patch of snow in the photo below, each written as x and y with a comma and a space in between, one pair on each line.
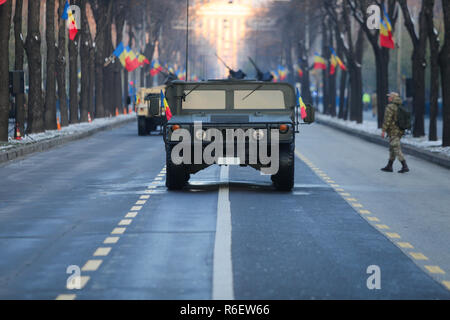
371, 127
65, 131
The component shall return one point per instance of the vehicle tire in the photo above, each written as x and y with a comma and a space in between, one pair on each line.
142, 126
176, 175
284, 179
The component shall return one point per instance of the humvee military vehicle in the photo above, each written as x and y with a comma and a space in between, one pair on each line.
230, 122
149, 112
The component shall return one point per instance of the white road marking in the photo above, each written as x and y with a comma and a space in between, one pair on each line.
222, 265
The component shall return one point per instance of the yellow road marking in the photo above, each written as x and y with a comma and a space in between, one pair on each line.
382, 226
357, 205
145, 196
446, 284
151, 187
131, 215
111, 240
335, 185
102, 252
149, 191
92, 265
418, 256
405, 245
141, 202
364, 211
340, 189
66, 297
158, 179
351, 199
393, 235
118, 230
435, 269
373, 219
125, 222
345, 194
136, 208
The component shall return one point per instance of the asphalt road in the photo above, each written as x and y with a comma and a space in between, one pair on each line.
101, 204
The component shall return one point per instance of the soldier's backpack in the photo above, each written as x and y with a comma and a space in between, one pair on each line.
404, 118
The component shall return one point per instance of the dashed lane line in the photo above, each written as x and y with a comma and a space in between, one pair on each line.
93, 265
374, 221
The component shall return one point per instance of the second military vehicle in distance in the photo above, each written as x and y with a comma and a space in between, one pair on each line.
149, 112
224, 111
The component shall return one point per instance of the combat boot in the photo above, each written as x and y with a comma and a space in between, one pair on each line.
388, 168
404, 167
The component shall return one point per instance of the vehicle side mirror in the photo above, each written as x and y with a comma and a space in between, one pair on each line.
154, 106
310, 114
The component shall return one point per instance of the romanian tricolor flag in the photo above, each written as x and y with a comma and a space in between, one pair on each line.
302, 105
282, 72
142, 60
300, 72
166, 107
386, 37
341, 64
333, 64
319, 62
131, 62
72, 25
275, 76
155, 68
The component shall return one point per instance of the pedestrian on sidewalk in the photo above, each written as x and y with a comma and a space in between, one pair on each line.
390, 127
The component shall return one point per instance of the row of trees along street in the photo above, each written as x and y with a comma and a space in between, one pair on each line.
422, 54
34, 38
73, 75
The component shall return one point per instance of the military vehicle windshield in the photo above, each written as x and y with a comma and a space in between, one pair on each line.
242, 99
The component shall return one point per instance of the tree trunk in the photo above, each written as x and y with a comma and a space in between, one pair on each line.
50, 91
61, 67
35, 122
5, 24
85, 42
444, 61
73, 79
91, 88
434, 74
118, 98
18, 63
326, 72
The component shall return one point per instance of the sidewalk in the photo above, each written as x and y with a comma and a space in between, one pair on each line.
419, 147
43, 141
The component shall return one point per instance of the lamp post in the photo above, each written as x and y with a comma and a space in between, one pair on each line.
187, 39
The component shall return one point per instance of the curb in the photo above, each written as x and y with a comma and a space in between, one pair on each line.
51, 143
438, 159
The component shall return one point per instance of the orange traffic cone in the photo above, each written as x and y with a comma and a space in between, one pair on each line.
117, 112
58, 124
124, 110
89, 117
18, 135
130, 111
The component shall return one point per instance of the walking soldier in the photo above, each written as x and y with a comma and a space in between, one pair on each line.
391, 128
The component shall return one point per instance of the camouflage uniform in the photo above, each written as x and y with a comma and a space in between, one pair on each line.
393, 131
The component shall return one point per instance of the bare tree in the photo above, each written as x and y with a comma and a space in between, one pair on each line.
359, 9
419, 62
50, 88
61, 66
5, 24
35, 122
444, 61
18, 63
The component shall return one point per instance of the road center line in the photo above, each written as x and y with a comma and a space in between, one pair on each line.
222, 288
